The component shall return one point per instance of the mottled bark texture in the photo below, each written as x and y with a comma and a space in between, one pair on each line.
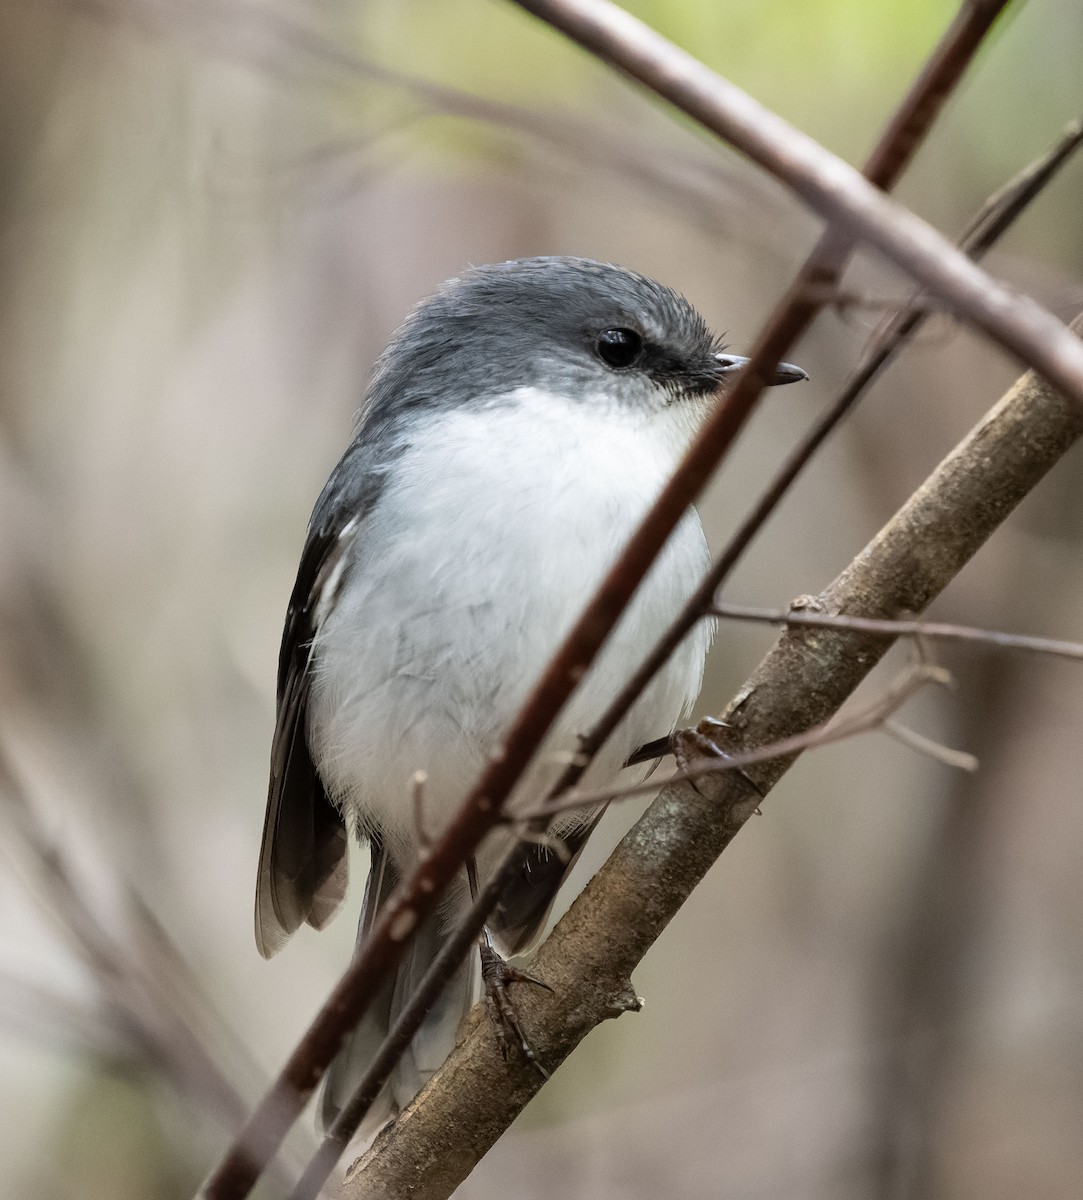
805, 678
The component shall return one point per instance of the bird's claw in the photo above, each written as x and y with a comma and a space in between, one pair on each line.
498, 977
694, 745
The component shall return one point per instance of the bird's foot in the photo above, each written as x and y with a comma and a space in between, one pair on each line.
498, 977
692, 746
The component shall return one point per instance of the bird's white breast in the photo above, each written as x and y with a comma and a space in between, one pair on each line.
493, 531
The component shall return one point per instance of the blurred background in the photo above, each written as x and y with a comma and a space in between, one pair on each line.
212, 216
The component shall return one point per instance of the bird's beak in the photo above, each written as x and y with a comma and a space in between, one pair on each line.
784, 372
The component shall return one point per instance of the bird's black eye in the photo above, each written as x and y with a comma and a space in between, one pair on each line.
619, 347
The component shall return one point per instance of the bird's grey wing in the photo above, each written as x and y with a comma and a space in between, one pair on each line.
303, 856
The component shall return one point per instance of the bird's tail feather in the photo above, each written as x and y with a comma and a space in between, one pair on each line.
432, 1043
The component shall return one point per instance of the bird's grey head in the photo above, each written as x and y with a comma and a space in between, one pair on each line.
582, 328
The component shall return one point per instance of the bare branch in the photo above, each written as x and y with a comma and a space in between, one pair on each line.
1004, 206
802, 614
923, 745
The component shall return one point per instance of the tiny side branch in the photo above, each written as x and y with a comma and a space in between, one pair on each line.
803, 613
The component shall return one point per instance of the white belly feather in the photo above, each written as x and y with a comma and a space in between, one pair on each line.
485, 545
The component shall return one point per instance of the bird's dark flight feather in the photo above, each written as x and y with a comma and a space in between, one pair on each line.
302, 862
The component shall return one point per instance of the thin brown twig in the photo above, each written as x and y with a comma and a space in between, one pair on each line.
889, 158
960, 759
1004, 206
800, 615
905, 685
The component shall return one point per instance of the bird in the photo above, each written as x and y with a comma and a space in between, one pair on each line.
514, 432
